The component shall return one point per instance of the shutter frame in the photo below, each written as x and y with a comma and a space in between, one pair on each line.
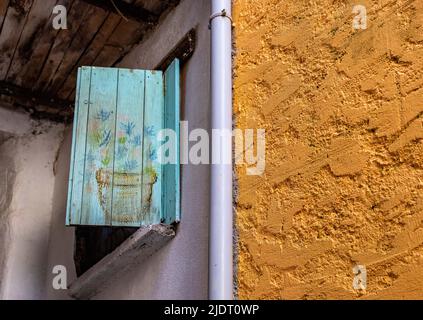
115, 178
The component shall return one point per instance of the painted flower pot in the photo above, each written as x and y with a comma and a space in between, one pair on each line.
129, 190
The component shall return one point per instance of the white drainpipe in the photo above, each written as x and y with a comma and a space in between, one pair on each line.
221, 220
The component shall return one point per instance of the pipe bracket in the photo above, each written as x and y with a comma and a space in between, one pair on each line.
222, 13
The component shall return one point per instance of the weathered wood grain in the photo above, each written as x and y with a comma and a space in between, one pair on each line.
79, 141
93, 50
117, 177
78, 13
152, 170
127, 167
82, 39
39, 51
93, 244
171, 172
44, 60
70, 212
126, 34
33, 101
99, 154
136, 249
3, 9
38, 19
13, 25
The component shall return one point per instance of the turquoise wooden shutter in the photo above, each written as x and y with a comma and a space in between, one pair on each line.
115, 176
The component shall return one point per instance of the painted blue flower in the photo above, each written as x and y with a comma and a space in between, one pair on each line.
121, 152
136, 141
103, 115
149, 131
105, 139
90, 156
152, 155
130, 165
128, 127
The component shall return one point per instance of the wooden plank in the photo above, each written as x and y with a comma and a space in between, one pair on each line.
171, 172
109, 55
62, 42
12, 27
3, 9
31, 98
38, 18
123, 182
89, 56
79, 139
126, 34
127, 168
153, 122
72, 160
93, 244
72, 94
82, 39
98, 174
136, 249
40, 50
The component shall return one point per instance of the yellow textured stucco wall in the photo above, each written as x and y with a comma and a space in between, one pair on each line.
344, 154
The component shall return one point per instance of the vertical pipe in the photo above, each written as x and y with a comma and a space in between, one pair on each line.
221, 219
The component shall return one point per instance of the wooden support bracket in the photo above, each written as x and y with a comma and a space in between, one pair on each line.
137, 248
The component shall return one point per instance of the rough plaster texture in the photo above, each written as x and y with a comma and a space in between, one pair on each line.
61, 241
7, 177
342, 112
178, 270
26, 204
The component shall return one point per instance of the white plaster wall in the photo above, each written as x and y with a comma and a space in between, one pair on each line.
61, 244
7, 180
26, 224
179, 270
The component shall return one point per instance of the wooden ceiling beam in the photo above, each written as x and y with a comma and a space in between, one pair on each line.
37, 103
129, 11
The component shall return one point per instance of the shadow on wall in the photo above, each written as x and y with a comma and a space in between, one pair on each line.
61, 241
26, 211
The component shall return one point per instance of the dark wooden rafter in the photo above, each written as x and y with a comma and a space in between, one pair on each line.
38, 64
128, 10
95, 18
14, 21
38, 20
32, 101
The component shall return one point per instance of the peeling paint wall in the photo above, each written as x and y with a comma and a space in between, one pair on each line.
27, 159
62, 238
344, 162
7, 179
